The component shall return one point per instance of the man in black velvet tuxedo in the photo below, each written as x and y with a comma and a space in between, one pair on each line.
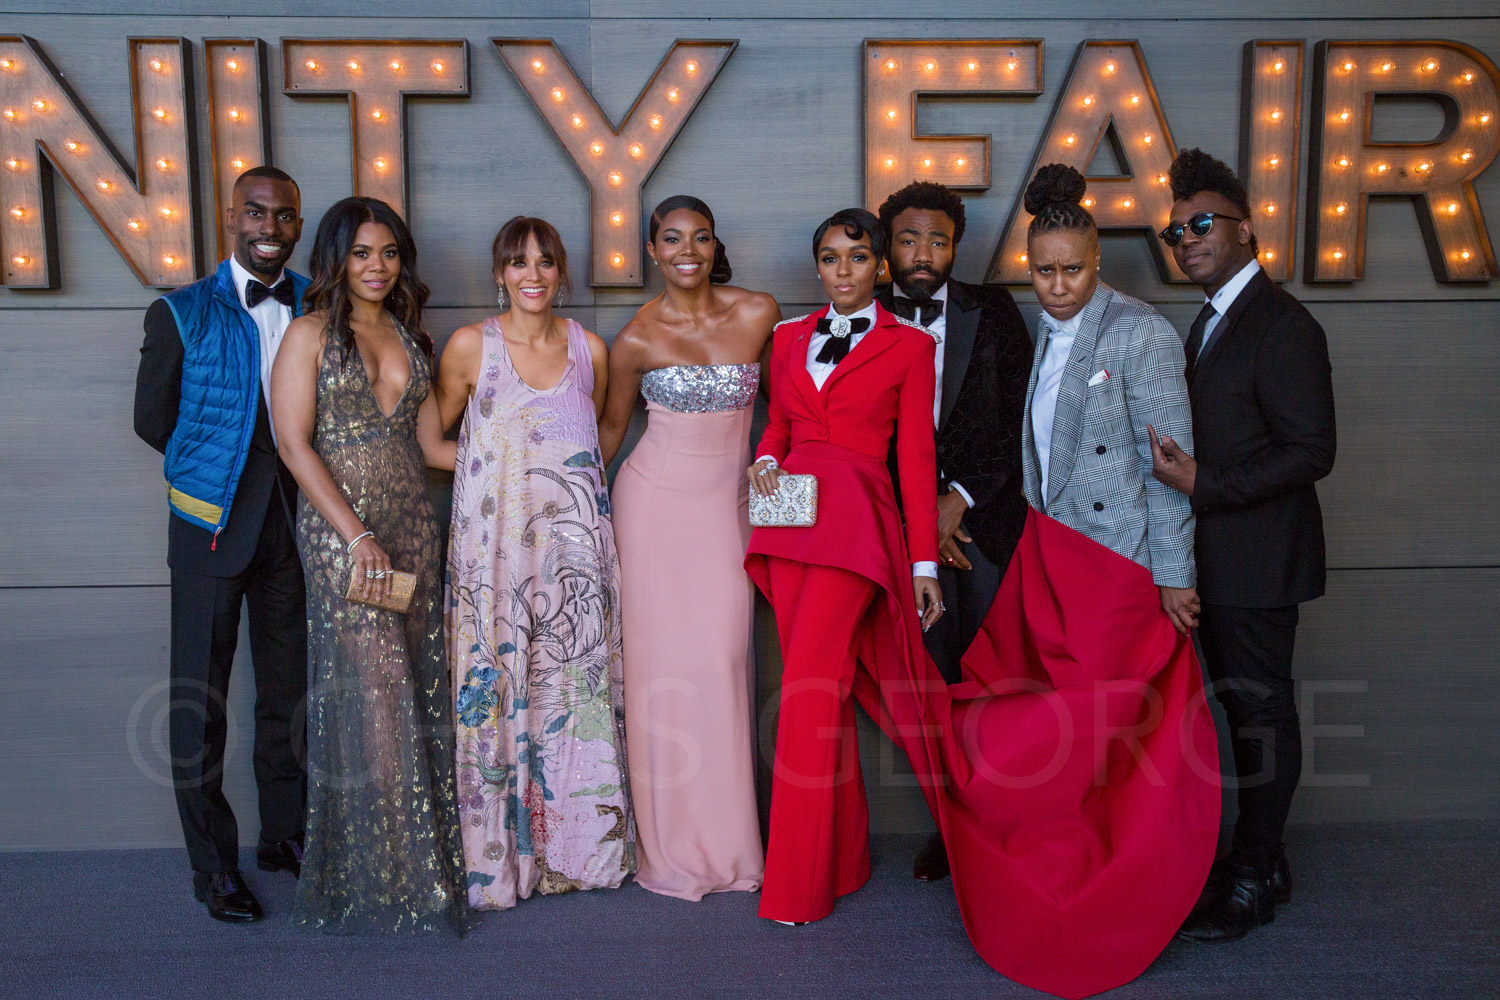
983, 364
1263, 430
201, 399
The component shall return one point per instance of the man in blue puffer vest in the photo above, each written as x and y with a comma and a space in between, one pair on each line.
202, 398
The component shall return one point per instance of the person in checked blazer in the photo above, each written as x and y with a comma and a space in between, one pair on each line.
1107, 374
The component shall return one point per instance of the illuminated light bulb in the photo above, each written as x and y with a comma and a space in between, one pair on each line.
395, 65
1021, 257
1466, 156
1338, 255
926, 163
312, 64
971, 65
72, 146
1135, 99
1269, 255
1276, 115
165, 213
353, 65
1273, 162
929, 66
39, 104
158, 66
890, 65
1468, 76
558, 94
378, 163
615, 177
233, 65
1270, 208
1381, 168
163, 164
103, 185
9, 114
538, 65
134, 225
18, 212
1342, 208
617, 218
1127, 203
1348, 66
1465, 254
636, 149
7, 64
1342, 161
673, 94
160, 114
1011, 65
1484, 119
654, 121
1430, 66
20, 260
1278, 66
1071, 140
891, 114
1386, 67
1345, 115
578, 121
1452, 208
890, 163
1087, 102
12, 163
235, 114
1161, 179
597, 148
377, 114
237, 163
960, 162
437, 66
169, 259
692, 66
1146, 138
1424, 166
1109, 67
1088, 203
618, 260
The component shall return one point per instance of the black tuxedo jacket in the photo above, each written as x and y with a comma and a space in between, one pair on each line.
986, 364
265, 485
1263, 430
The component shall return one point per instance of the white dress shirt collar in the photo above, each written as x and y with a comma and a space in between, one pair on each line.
1224, 297
1062, 327
868, 312
243, 277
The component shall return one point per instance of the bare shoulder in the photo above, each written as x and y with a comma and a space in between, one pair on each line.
465, 342
598, 349
755, 307
306, 332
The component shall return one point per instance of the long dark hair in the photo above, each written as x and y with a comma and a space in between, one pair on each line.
719, 272
329, 265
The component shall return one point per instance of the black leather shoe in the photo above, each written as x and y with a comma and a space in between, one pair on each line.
227, 897
281, 856
1248, 902
931, 864
1220, 877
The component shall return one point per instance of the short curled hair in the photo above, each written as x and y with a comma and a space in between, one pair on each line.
924, 195
858, 223
1194, 172
1055, 200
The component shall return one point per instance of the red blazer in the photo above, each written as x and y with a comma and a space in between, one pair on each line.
884, 387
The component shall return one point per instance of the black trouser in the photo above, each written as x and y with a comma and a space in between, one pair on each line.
967, 594
1249, 658
205, 629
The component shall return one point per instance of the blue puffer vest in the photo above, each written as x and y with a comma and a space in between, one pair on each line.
220, 396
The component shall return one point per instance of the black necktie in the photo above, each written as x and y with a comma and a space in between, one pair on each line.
256, 292
918, 312
1195, 334
835, 347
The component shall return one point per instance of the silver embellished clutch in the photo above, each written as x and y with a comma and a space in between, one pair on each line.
795, 504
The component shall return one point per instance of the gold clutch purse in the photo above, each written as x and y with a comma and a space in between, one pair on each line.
398, 600
795, 504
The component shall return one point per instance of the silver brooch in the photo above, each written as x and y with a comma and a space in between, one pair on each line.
839, 325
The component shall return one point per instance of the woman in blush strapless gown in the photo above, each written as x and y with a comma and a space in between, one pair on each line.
681, 527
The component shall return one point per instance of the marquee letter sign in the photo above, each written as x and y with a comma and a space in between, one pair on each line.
616, 161
1108, 95
1270, 144
899, 73
239, 118
1438, 174
149, 213
377, 76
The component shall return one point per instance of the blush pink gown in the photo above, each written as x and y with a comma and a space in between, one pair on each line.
681, 528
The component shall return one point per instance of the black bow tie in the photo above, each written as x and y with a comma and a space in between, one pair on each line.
837, 346
256, 292
918, 312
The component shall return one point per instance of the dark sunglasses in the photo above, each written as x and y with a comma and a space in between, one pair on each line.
1199, 225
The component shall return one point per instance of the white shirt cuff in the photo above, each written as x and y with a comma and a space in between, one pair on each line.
962, 492
927, 569
768, 458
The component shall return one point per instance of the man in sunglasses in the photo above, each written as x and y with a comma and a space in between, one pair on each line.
1262, 396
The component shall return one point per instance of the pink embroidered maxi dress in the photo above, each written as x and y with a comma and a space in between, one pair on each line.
533, 622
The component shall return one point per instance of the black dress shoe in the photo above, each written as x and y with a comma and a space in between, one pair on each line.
280, 856
1221, 876
1248, 902
931, 864
227, 897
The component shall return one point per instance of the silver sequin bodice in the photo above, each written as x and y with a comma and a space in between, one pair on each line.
701, 388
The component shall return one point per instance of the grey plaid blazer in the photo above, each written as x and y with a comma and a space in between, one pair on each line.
1099, 478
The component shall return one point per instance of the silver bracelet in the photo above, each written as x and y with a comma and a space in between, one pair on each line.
356, 540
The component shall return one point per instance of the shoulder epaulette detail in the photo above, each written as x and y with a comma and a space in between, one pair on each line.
916, 326
794, 319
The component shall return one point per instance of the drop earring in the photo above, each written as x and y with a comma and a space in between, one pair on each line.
557, 302
502, 298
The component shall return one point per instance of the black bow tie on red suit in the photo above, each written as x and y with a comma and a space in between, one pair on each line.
918, 312
256, 292
841, 330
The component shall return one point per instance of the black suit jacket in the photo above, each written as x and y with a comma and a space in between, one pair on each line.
986, 364
265, 484
1263, 430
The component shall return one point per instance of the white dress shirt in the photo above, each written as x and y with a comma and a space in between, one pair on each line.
820, 371
271, 319
1224, 298
1060, 334
939, 328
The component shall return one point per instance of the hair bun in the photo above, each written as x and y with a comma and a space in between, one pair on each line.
1054, 184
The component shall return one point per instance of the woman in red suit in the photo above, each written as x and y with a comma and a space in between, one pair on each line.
850, 588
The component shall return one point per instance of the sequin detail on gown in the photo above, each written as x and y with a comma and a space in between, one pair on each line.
534, 637
701, 388
383, 849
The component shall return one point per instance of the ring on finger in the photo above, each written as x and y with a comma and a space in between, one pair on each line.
369, 574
